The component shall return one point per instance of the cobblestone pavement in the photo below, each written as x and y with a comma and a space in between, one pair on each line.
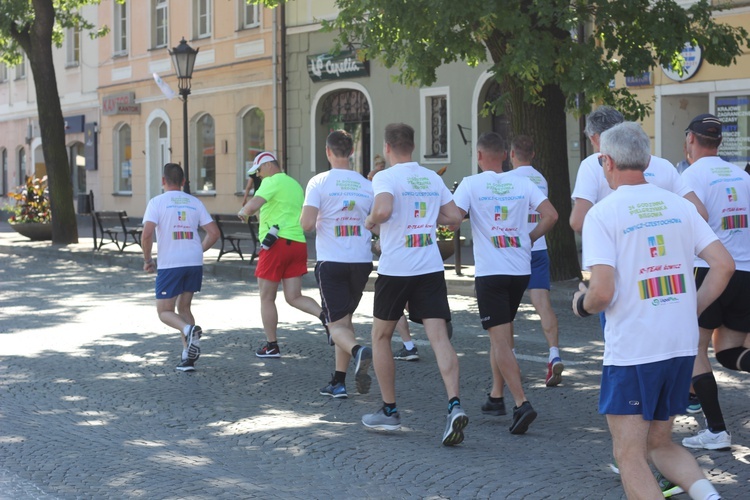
92, 406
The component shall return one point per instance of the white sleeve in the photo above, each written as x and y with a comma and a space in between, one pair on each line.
598, 241
462, 196
587, 184
312, 196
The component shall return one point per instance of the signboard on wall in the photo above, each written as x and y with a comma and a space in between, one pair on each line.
343, 65
693, 56
90, 146
74, 124
120, 104
734, 113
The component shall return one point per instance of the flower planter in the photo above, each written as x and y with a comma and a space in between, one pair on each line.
35, 231
446, 247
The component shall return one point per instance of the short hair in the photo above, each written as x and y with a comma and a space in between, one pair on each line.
340, 143
492, 142
523, 145
601, 119
400, 137
628, 146
173, 174
706, 142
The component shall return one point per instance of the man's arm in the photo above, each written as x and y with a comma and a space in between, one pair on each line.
580, 208
600, 292
251, 207
381, 210
693, 198
450, 214
248, 187
308, 218
721, 268
212, 234
147, 243
549, 218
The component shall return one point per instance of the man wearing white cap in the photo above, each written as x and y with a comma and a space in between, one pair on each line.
283, 258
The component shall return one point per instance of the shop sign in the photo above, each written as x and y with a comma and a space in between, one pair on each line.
74, 124
120, 104
734, 113
693, 56
333, 67
638, 81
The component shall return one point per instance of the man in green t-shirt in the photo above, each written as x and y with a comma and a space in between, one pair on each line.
279, 200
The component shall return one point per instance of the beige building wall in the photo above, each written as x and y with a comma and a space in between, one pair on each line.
234, 72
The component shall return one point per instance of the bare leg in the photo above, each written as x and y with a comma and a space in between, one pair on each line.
541, 302
342, 333
630, 447
501, 345
167, 315
268, 313
675, 462
402, 327
293, 295
382, 357
447, 361
498, 383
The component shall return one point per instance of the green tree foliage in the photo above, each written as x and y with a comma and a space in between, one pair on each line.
31, 27
549, 57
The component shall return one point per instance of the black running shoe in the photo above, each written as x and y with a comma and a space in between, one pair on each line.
490, 408
268, 351
186, 365
522, 417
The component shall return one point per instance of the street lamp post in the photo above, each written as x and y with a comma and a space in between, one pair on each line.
183, 59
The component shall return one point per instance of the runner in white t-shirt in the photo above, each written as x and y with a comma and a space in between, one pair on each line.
174, 217
498, 205
724, 188
639, 244
336, 205
591, 187
410, 201
521, 154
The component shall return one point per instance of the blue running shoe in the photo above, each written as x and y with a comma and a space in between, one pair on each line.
334, 390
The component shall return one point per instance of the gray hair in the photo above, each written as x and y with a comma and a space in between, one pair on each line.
601, 119
628, 146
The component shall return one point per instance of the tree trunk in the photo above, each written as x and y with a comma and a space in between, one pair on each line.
546, 125
51, 123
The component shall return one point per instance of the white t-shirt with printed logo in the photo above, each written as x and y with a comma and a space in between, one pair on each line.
591, 184
177, 216
498, 205
724, 189
538, 179
408, 239
650, 237
343, 199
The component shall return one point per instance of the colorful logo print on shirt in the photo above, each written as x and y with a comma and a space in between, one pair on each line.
501, 213
182, 235
506, 241
656, 246
534, 218
731, 194
734, 222
348, 205
661, 286
418, 240
347, 231
181, 215
420, 209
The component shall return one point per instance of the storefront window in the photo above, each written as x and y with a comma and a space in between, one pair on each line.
206, 151
123, 160
253, 140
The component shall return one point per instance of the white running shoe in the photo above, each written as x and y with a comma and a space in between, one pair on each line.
707, 440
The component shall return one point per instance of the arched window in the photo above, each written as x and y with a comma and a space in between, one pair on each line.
253, 134
205, 149
349, 110
123, 160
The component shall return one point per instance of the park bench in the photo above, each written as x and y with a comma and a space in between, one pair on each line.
234, 232
109, 226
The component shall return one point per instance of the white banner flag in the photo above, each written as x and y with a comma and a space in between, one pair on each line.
169, 93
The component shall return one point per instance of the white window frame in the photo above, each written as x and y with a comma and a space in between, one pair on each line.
202, 12
119, 155
248, 10
425, 100
121, 27
73, 47
160, 5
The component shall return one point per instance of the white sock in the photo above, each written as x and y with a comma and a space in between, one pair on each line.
554, 352
186, 330
184, 354
702, 489
409, 345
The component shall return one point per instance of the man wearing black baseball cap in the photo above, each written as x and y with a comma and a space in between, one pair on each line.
724, 189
